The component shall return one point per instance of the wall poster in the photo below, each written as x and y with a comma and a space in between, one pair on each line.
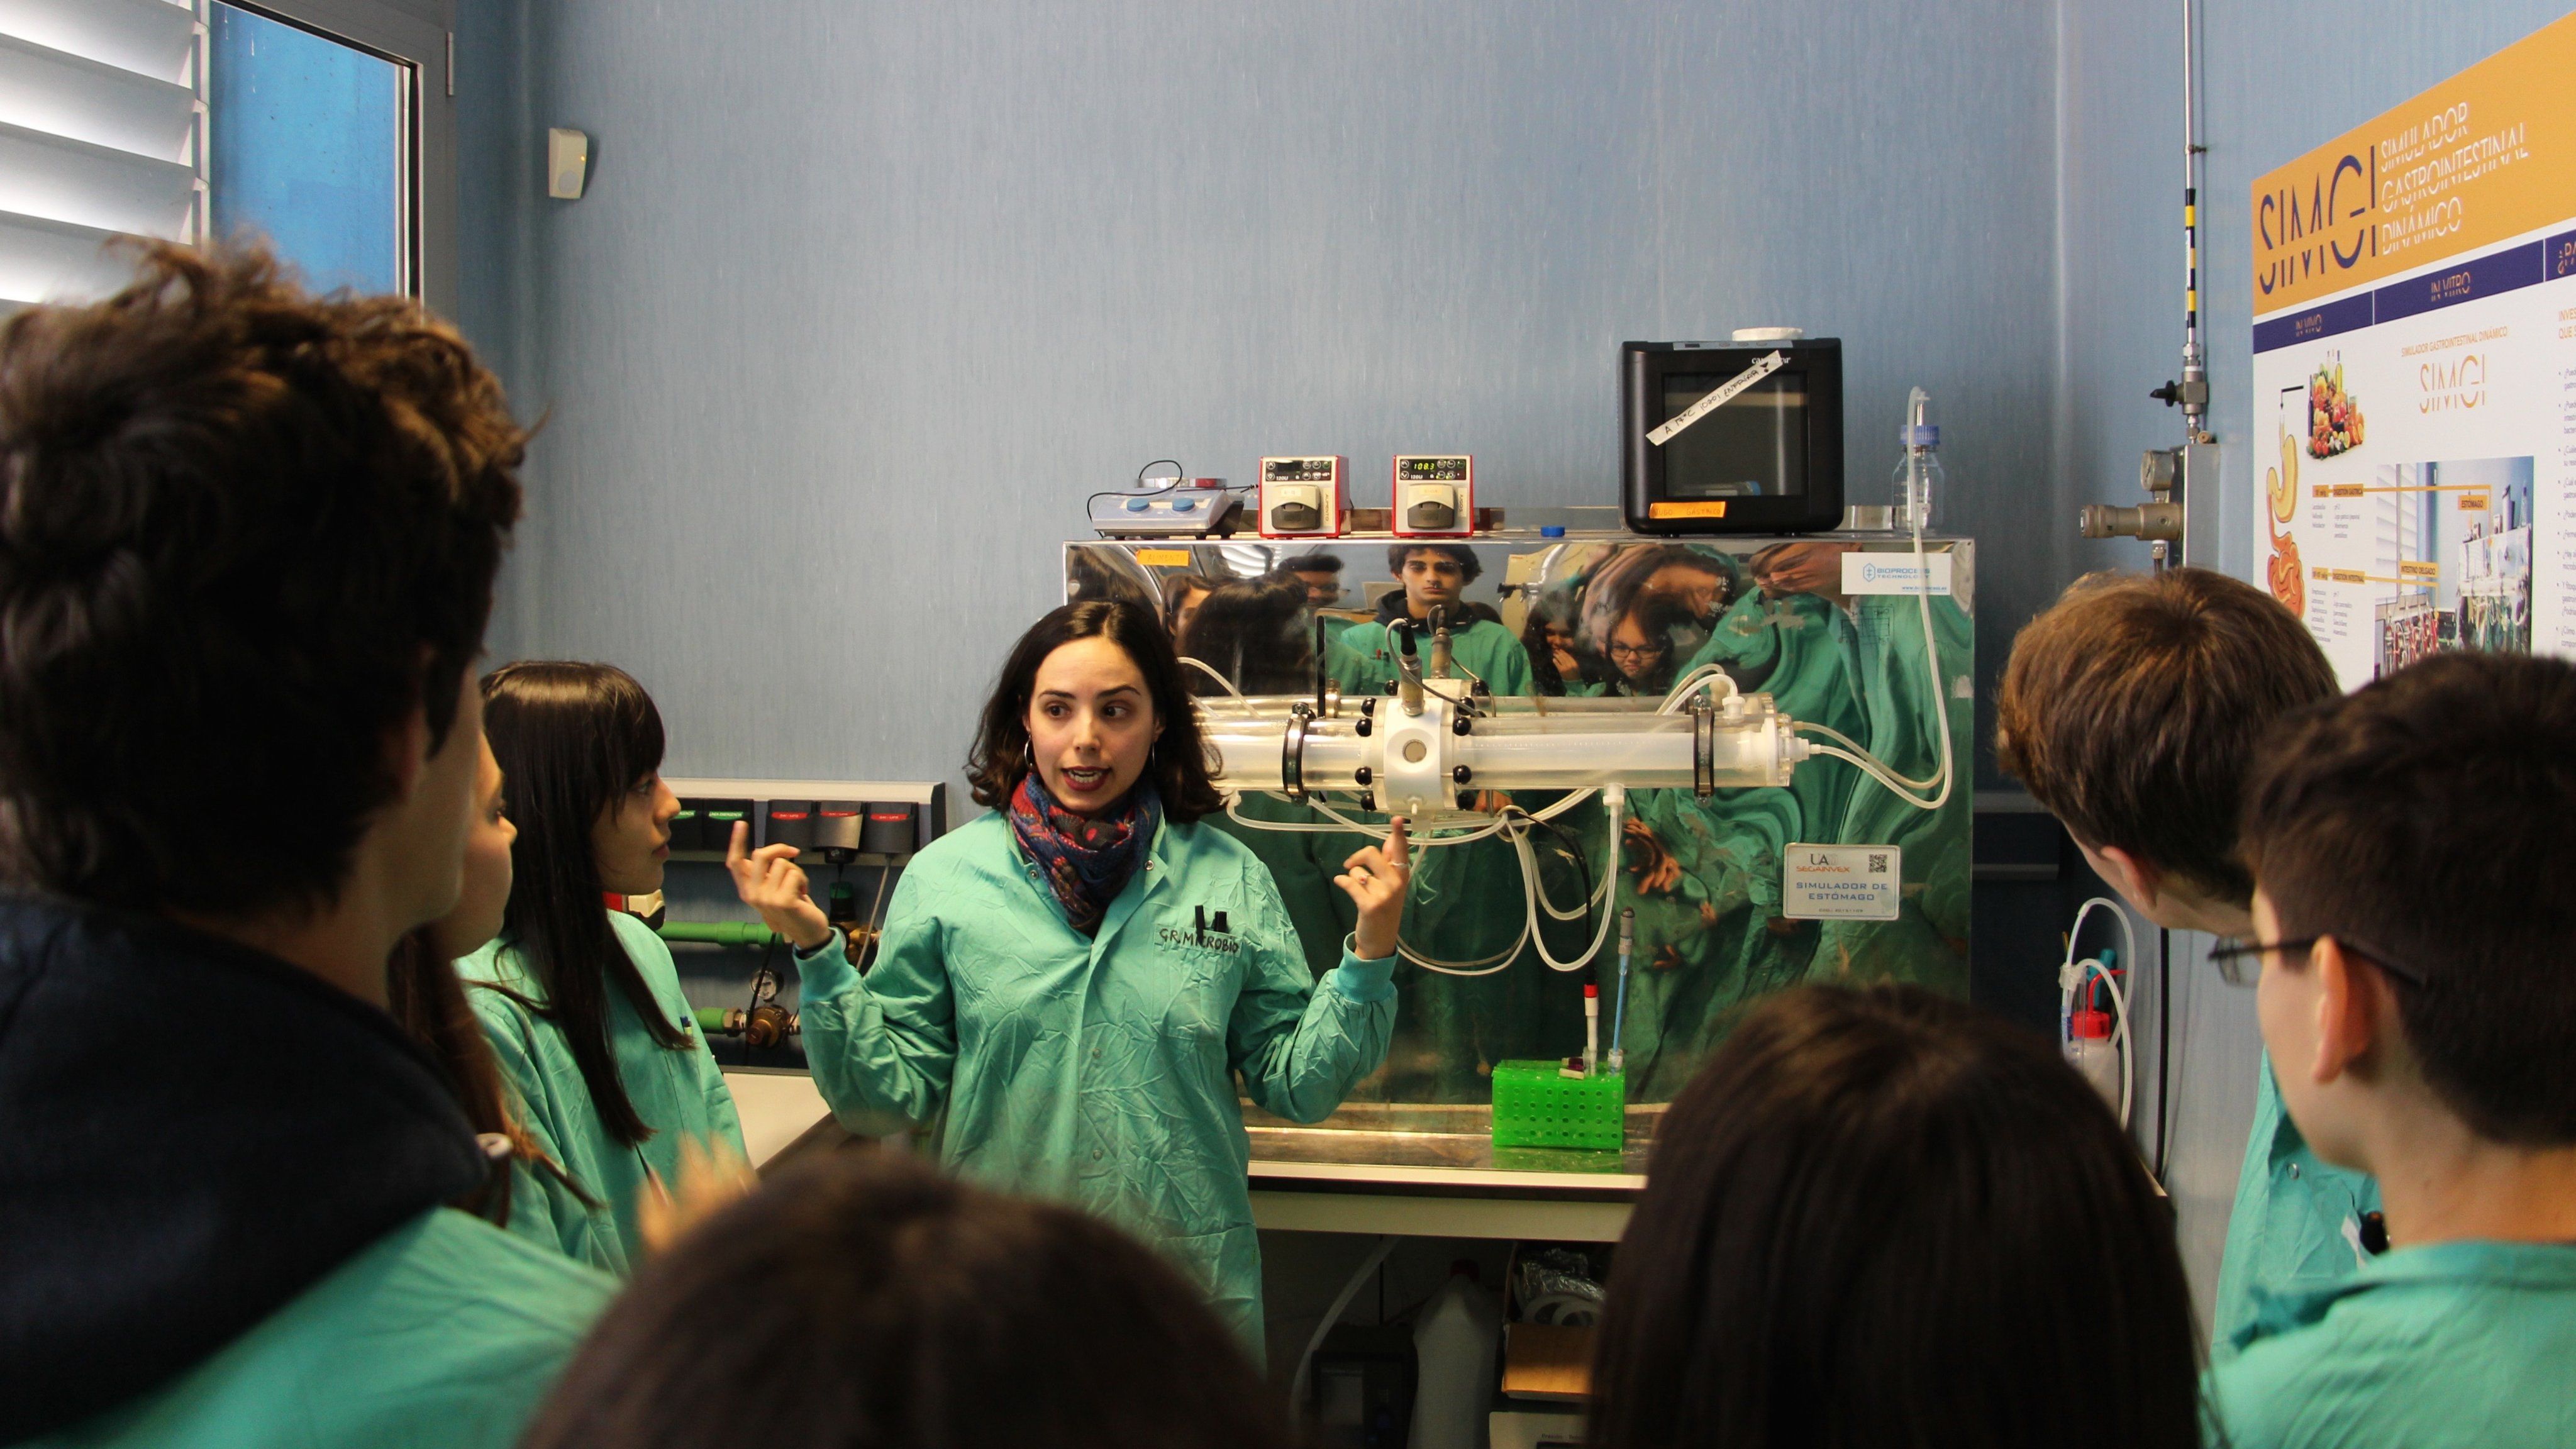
2414, 420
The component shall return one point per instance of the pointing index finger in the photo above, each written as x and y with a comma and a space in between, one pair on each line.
735, 856
1399, 851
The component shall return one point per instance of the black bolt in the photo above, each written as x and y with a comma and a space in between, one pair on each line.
1462, 774
1462, 725
1361, 774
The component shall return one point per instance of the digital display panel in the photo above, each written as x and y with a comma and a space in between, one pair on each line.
1436, 470
1297, 470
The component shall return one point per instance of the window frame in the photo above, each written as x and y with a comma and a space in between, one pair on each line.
419, 35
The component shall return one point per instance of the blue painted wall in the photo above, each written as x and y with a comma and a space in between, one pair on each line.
864, 299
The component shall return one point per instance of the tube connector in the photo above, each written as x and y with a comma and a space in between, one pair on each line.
2149, 522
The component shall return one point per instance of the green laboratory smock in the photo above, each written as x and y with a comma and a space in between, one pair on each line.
1098, 1071
2459, 1345
445, 1334
679, 1092
1362, 662
2296, 1226
1302, 865
1927, 943
1802, 651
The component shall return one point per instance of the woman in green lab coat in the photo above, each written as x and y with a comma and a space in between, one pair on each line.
582, 1004
1073, 981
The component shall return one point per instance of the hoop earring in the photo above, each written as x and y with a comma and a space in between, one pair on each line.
1033, 754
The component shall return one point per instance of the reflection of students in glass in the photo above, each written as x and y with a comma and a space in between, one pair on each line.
1182, 595
1641, 645
1548, 637
1254, 632
1321, 576
1435, 578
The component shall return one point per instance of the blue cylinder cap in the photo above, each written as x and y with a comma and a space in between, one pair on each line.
1919, 435
1551, 530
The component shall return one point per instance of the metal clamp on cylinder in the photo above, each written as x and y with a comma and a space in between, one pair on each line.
1292, 752
1703, 748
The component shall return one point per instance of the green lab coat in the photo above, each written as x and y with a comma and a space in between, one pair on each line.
1800, 650
2459, 1345
2296, 1227
443, 1335
1362, 661
1927, 943
1302, 864
679, 1092
1098, 1070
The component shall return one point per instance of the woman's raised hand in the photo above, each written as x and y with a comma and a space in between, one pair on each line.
770, 882
1378, 879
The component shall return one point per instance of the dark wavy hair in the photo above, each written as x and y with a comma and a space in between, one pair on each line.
1458, 553
862, 1298
573, 740
999, 759
1885, 1217
244, 534
1254, 632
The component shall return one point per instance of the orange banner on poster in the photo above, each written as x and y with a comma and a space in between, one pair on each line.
2486, 155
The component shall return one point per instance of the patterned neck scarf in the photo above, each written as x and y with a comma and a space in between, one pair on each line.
1086, 859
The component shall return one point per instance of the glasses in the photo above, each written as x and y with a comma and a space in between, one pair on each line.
2231, 956
1637, 651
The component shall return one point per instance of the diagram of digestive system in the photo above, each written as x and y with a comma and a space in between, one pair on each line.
2281, 489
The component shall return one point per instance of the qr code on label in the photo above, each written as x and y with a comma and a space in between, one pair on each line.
1877, 865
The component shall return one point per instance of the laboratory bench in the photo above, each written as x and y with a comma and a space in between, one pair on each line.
1406, 1170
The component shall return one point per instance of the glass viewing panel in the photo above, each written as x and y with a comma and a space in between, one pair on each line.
1586, 625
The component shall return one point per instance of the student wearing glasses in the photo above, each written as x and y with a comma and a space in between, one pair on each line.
2132, 709
2409, 846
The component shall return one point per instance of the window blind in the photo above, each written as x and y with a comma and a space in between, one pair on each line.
102, 133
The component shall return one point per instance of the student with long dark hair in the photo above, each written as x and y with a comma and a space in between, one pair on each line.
862, 1299
1076, 979
426, 995
1886, 1217
582, 1004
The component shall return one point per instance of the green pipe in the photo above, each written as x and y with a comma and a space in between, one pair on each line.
712, 1018
720, 933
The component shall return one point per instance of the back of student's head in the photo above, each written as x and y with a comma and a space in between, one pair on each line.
1884, 1217
245, 534
2430, 820
574, 740
864, 1301
1255, 632
2131, 709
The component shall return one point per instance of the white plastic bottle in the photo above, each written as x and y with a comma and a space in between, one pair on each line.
1454, 1344
2091, 1050
1919, 469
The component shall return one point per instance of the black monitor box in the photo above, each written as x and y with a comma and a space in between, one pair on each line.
1769, 459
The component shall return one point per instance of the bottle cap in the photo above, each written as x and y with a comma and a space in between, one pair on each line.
1551, 530
2090, 1025
1920, 435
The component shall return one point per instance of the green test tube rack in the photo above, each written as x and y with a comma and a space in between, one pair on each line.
1536, 1105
